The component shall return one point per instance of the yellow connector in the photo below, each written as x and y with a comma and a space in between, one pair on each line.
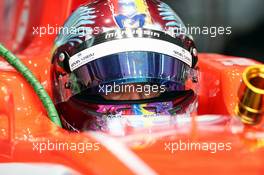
250, 107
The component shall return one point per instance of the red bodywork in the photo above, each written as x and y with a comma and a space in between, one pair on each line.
23, 119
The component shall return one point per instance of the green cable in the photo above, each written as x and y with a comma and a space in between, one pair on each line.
38, 88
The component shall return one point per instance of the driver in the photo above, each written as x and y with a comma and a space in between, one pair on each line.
125, 58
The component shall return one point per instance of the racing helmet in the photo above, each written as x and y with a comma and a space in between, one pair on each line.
115, 61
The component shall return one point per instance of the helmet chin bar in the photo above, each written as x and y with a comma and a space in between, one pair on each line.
94, 114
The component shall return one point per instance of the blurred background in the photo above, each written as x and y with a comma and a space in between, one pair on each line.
246, 17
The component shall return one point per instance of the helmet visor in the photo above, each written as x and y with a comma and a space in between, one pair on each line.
149, 72
145, 61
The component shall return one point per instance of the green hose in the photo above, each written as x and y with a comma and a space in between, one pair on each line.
38, 88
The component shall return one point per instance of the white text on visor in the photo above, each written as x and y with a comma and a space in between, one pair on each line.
129, 45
